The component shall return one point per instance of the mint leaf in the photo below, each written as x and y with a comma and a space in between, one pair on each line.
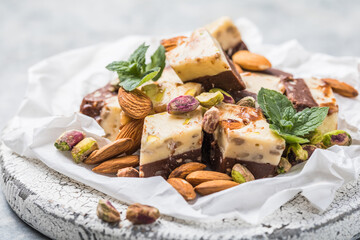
135, 72
138, 55
129, 82
285, 121
275, 106
157, 60
308, 120
118, 65
150, 75
289, 138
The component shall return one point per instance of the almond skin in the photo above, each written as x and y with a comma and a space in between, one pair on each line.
127, 172
341, 88
195, 178
183, 187
113, 165
135, 104
251, 61
109, 151
210, 187
133, 130
185, 169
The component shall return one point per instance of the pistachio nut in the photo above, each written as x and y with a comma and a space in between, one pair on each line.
241, 174
142, 214
284, 166
68, 140
128, 172
83, 149
211, 120
247, 102
309, 148
107, 212
336, 137
296, 154
210, 99
182, 104
227, 97
315, 137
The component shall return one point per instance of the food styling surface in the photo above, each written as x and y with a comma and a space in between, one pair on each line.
17, 59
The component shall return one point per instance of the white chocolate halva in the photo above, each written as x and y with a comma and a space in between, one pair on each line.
225, 32
165, 135
198, 56
244, 134
255, 81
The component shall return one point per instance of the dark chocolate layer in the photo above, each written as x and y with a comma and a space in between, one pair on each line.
218, 163
228, 80
240, 46
276, 72
259, 170
298, 93
237, 95
93, 102
165, 166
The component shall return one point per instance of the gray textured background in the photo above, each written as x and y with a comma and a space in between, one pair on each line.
31, 30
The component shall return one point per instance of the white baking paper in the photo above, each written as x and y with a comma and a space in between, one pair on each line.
58, 84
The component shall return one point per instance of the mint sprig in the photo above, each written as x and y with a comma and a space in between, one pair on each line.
285, 121
134, 72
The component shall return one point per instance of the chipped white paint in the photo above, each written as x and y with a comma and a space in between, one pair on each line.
62, 208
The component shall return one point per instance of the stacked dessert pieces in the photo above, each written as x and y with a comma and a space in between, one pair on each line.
224, 125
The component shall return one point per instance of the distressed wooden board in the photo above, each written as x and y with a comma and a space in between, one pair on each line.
62, 208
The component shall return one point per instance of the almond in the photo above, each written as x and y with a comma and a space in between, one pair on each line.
113, 165
172, 43
183, 187
251, 61
109, 151
210, 187
127, 172
341, 88
238, 68
186, 169
133, 130
198, 177
135, 104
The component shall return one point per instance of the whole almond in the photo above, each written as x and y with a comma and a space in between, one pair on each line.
198, 177
183, 187
135, 104
185, 169
127, 172
111, 150
113, 165
251, 61
133, 130
341, 88
210, 187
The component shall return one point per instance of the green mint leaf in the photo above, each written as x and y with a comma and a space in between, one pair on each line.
308, 120
285, 121
118, 66
157, 60
129, 82
275, 106
289, 138
134, 72
138, 56
149, 75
